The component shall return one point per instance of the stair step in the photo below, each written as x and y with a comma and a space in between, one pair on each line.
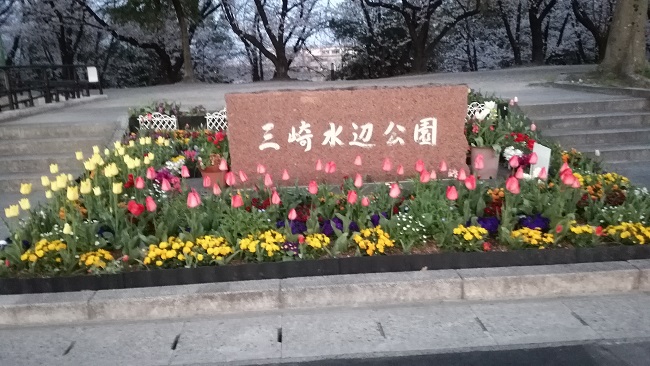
637, 171
39, 163
57, 130
608, 153
585, 107
594, 120
11, 182
570, 138
53, 145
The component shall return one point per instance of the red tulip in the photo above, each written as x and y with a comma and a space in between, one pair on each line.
313, 187
242, 176
330, 167
207, 182
365, 202
139, 183
387, 165
193, 199
512, 185
358, 181
443, 166
394, 190
425, 176
462, 175
275, 198
165, 186
532, 159
223, 165
542, 174
319, 165
216, 190
185, 173
357, 160
514, 161
230, 179
452, 193
151, 204
268, 182
292, 214
400, 170
419, 166
136, 209
151, 173
558, 228
352, 197
237, 201
478, 162
470, 182
519, 174
261, 169
285, 175
599, 231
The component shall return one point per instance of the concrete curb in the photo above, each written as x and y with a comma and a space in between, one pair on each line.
328, 291
31, 111
634, 92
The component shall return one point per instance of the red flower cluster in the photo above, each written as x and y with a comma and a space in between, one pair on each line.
130, 182
217, 138
522, 137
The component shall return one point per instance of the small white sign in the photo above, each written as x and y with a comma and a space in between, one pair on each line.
543, 159
92, 74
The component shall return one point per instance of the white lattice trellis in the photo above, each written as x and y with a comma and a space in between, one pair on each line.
473, 108
217, 121
158, 121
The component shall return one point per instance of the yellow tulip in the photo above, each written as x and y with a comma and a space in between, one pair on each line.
25, 188
62, 181
147, 161
54, 186
90, 165
86, 186
107, 152
131, 143
117, 188
67, 229
166, 142
120, 151
12, 211
147, 140
117, 144
70, 178
137, 162
150, 155
95, 149
73, 193
130, 164
111, 170
97, 191
54, 168
79, 155
24, 204
48, 194
45, 181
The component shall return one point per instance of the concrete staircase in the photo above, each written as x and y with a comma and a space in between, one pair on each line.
618, 128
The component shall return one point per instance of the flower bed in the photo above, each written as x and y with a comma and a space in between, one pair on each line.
134, 210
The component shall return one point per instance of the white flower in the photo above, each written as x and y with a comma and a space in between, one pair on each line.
597, 152
490, 105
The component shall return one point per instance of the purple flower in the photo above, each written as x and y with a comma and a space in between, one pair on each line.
536, 221
328, 229
297, 227
491, 224
291, 248
374, 219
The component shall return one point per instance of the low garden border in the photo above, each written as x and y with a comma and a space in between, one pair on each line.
322, 267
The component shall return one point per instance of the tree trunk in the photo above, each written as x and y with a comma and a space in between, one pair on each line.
281, 68
537, 39
185, 41
420, 59
626, 46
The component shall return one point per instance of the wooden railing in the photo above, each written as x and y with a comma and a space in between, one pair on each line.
20, 86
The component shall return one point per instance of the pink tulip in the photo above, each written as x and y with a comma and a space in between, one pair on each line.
387, 165
564, 167
462, 175
237, 201
542, 174
394, 190
313, 187
352, 197
443, 166
576, 183
193, 199
519, 174
568, 178
223, 165
151, 173
452, 193
165, 186
512, 185
292, 214
512, 102
330, 167
216, 190
230, 179
185, 173
419, 166
261, 169
285, 175
425, 176
478, 162
319, 165
470, 182
533, 127
514, 161
242, 176
358, 181
139, 183
532, 159
150, 204
268, 182
434, 176
207, 182
400, 170
357, 160
365, 202
275, 198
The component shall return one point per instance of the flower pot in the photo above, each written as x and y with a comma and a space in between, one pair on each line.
216, 175
490, 162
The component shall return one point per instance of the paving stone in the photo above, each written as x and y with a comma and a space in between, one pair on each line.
44, 308
36, 346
